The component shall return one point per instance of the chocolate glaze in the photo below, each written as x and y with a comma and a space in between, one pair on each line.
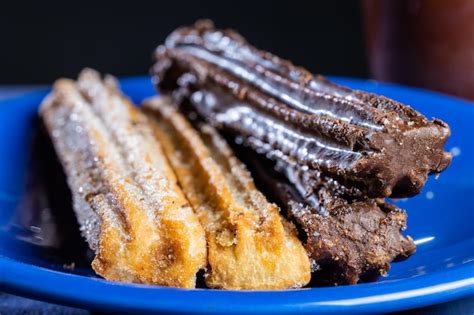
380, 146
349, 237
350, 240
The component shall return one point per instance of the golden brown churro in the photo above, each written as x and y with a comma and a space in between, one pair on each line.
250, 246
125, 194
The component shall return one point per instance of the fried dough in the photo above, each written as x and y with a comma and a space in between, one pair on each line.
125, 194
250, 246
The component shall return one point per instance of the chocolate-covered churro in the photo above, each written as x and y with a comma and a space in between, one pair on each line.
380, 146
349, 240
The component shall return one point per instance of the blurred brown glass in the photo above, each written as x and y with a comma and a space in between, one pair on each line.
426, 43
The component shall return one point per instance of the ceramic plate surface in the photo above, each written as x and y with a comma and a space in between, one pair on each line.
440, 220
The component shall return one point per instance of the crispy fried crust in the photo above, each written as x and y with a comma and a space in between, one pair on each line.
125, 194
250, 246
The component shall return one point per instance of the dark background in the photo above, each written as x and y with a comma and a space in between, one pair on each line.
43, 41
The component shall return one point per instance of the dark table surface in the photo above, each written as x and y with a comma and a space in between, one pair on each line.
15, 305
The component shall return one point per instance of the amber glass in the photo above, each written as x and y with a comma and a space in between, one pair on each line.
426, 43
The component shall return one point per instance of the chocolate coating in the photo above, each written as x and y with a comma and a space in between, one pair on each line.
350, 240
367, 142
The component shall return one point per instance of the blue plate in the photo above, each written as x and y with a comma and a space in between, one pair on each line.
440, 220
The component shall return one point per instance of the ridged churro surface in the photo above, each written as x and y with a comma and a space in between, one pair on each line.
381, 147
250, 246
125, 194
349, 240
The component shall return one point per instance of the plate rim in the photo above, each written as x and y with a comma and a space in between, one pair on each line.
101, 294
